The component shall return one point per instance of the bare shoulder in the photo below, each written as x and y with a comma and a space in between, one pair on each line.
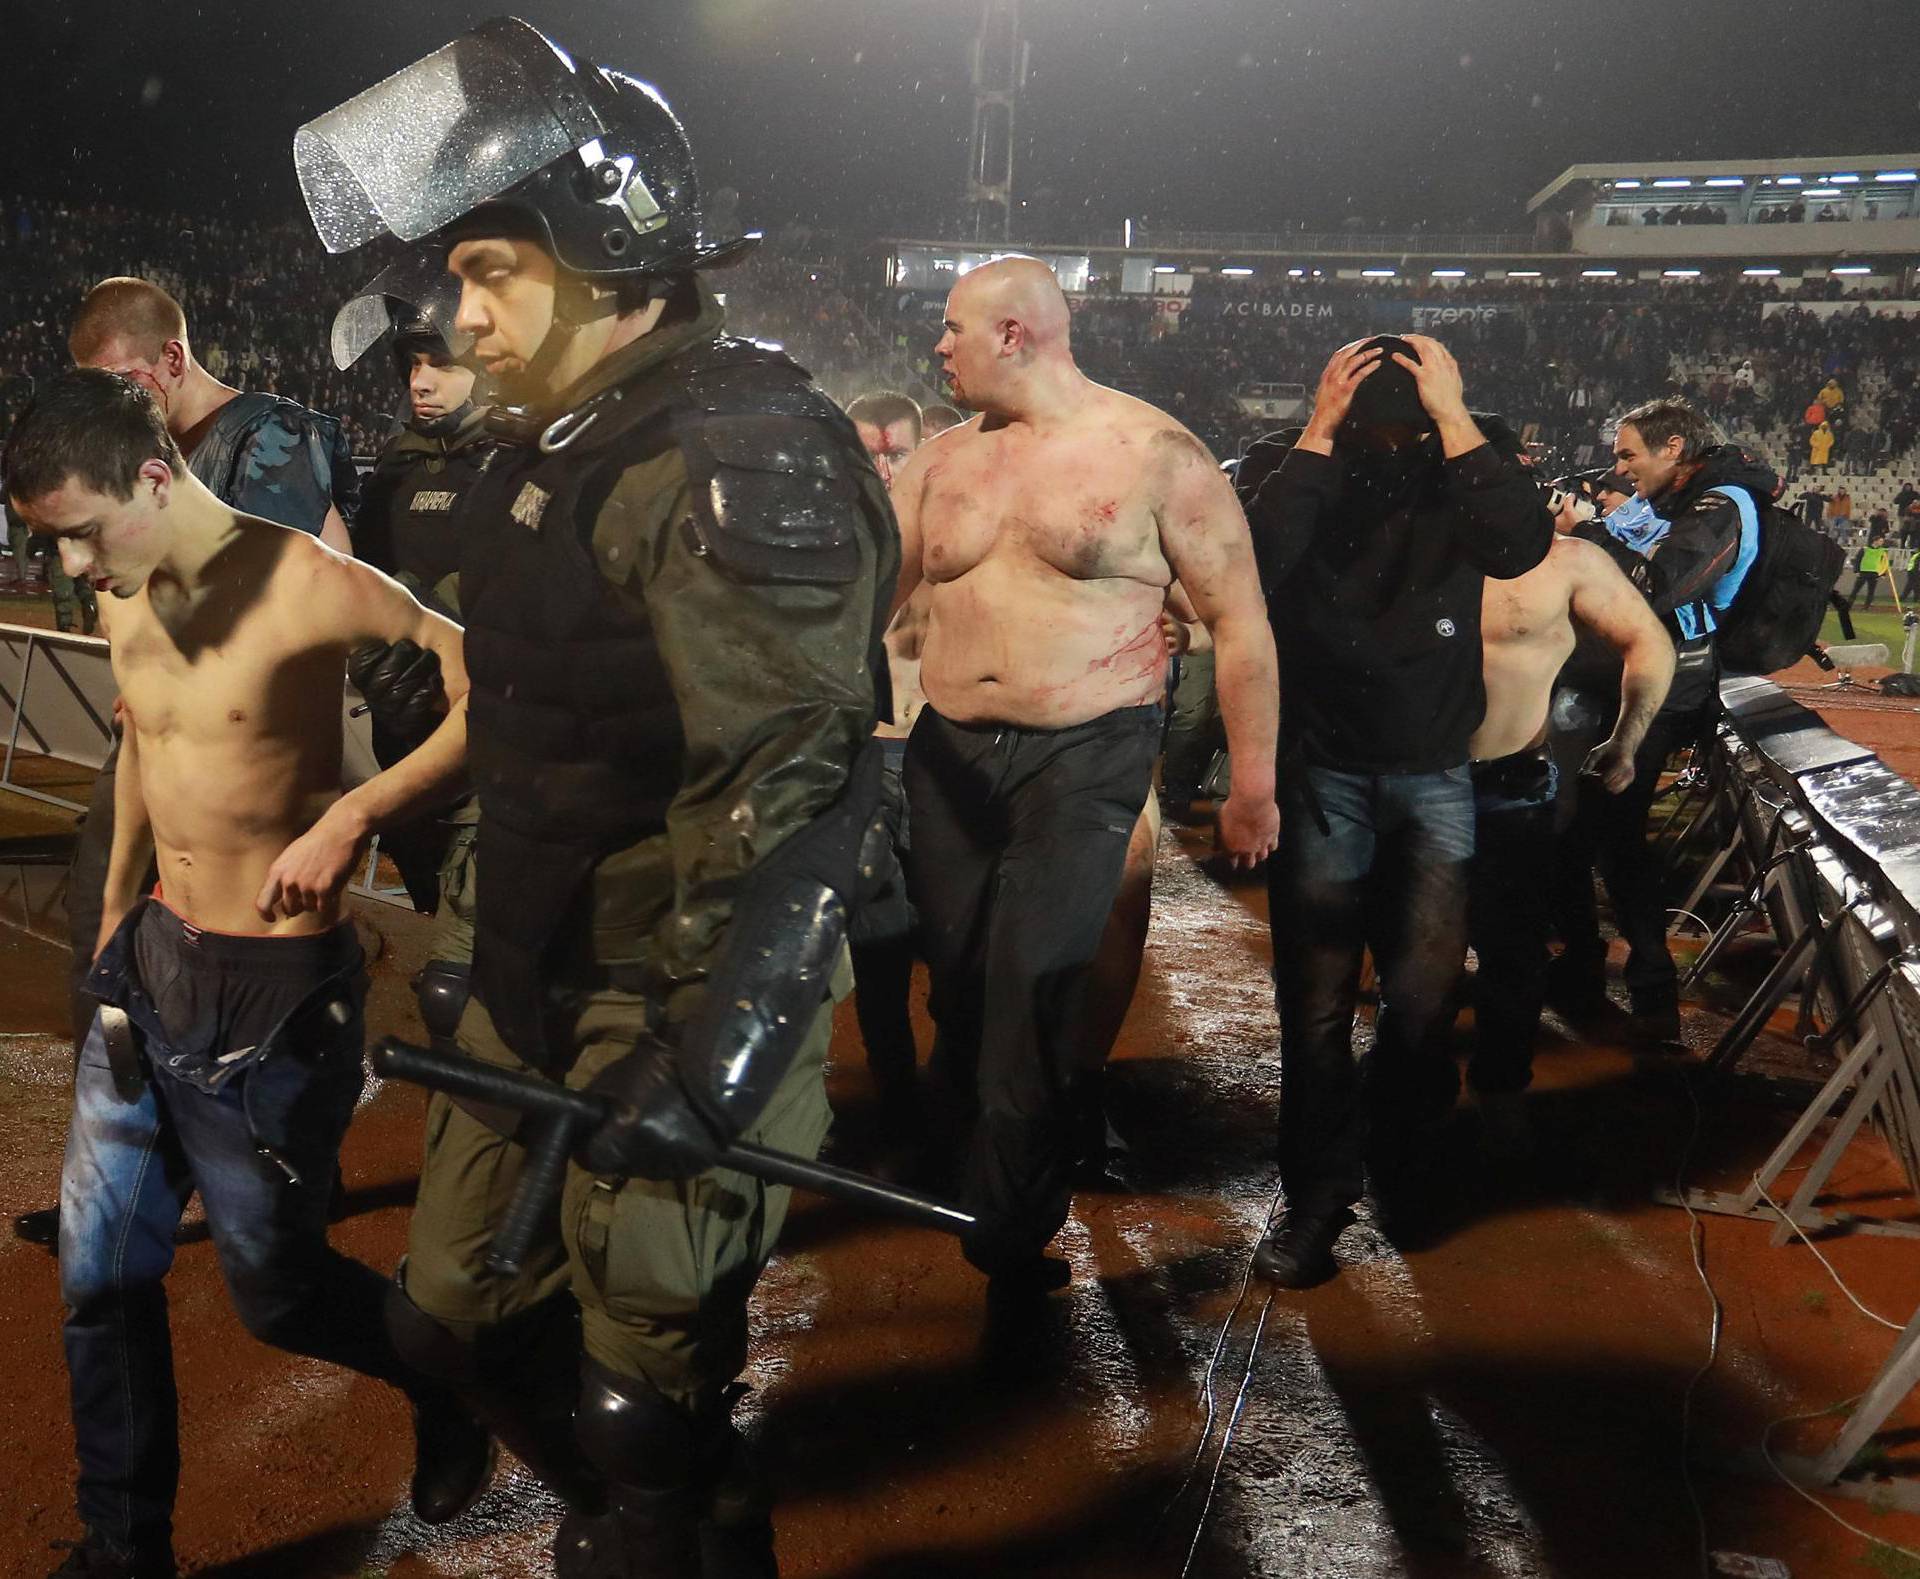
939, 450
1584, 564
1138, 421
315, 585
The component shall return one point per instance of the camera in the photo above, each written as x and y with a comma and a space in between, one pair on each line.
1562, 489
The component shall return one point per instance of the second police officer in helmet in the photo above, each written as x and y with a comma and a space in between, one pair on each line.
409, 526
674, 579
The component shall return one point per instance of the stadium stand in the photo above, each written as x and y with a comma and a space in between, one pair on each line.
1559, 349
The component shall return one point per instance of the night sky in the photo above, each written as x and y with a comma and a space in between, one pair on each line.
1207, 114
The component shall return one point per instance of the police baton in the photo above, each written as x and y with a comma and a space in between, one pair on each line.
562, 1117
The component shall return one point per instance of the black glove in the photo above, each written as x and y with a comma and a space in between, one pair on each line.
404, 692
652, 1129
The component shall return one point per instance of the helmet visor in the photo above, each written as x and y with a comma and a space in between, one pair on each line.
420, 286
446, 134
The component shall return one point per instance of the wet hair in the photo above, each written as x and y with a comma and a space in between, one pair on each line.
937, 419
884, 407
90, 426
1670, 417
125, 308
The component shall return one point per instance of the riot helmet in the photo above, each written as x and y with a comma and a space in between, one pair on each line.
591, 160
417, 291
412, 304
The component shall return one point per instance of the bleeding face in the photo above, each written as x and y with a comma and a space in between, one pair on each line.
1649, 468
437, 386
891, 447
159, 375
114, 544
507, 294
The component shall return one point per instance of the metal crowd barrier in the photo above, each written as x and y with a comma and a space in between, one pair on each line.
1822, 840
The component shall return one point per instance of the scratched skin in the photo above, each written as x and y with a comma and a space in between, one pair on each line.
1060, 537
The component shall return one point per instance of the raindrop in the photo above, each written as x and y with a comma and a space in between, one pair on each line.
150, 92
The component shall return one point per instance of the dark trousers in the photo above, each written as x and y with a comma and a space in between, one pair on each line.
1019, 840
1869, 582
1195, 732
883, 947
1365, 861
1509, 910
1609, 833
258, 1136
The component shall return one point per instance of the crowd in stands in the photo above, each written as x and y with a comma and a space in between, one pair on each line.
1559, 359
260, 299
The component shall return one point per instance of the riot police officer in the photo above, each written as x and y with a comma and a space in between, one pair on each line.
674, 580
409, 527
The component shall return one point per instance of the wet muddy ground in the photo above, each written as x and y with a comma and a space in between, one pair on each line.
1509, 1402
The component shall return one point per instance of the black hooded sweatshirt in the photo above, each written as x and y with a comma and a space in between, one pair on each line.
1373, 566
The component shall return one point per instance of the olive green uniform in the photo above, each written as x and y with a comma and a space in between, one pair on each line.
408, 527
774, 689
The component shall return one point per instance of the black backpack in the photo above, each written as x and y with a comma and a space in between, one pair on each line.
1774, 619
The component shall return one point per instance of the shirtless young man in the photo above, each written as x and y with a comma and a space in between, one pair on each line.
1527, 635
1049, 528
226, 1055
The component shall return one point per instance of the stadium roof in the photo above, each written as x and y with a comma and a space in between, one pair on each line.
1821, 167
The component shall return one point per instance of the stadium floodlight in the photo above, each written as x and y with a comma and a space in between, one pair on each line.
1823, 191
1626, 186
1296, 274
1727, 180
1448, 274
1787, 180
1898, 175
1673, 180
1843, 180
1679, 274
1378, 274
1851, 268
1760, 274
1165, 268
1523, 274
1238, 274
1599, 274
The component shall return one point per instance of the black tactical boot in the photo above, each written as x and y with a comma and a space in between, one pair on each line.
1299, 1251
453, 1458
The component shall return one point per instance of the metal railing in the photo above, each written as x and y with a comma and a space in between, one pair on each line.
1347, 243
1819, 842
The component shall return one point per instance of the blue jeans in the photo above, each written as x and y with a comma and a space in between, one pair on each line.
257, 1136
1365, 861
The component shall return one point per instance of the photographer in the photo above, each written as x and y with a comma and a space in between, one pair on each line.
1376, 527
1689, 564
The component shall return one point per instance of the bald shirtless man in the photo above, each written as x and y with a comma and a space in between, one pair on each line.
226, 1053
1049, 528
1527, 634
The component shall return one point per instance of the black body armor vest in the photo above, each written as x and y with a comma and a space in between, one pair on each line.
575, 741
